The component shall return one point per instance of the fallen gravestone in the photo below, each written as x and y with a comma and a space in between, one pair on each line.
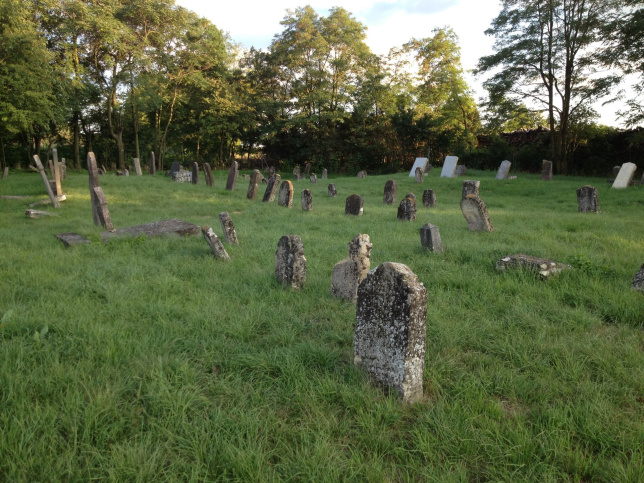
253, 185
407, 210
325, 174
638, 280
332, 191
625, 175
587, 199
230, 235
195, 173
137, 166
354, 205
391, 192
349, 273
422, 163
233, 172
70, 239
290, 263
470, 187
419, 175
546, 170
43, 175
542, 266
475, 212
271, 188
207, 174
152, 164
285, 197
216, 247
460, 170
449, 166
157, 228
38, 214
429, 198
307, 200
430, 238
390, 331
504, 170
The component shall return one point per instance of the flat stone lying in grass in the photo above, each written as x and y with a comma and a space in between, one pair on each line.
216, 247
307, 200
470, 187
285, 197
230, 235
429, 199
290, 263
157, 228
546, 170
407, 210
60, 199
475, 212
391, 192
449, 166
430, 238
638, 280
542, 266
39, 214
349, 273
70, 239
271, 187
390, 332
332, 191
354, 205
625, 175
587, 199
504, 169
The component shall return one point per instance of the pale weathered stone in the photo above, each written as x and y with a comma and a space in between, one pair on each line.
354, 205
5, 172
216, 247
470, 187
307, 200
543, 266
290, 263
230, 235
233, 172
157, 228
475, 212
429, 198
587, 199
103, 212
430, 238
286, 194
625, 175
504, 170
332, 191
271, 187
449, 166
182, 176
70, 239
29, 213
422, 163
296, 171
390, 332
137, 166
546, 170
325, 174
253, 185
349, 273
313, 178
407, 210
391, 192
419, 175
56, 174
152, 164
174, 167
362, 174
460, 170
207, 174
638, 280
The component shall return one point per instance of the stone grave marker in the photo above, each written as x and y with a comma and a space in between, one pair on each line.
43, 175
325, 174
421, 163
475, 212
207, 174
354, 205
230, 235
625, 175
307, 200
419, 175
69, 239
544, 267
285, 197
157, 228
195, 173
429, 199
390, 331
290, 263
152, 164
460, 170
29, 213
430, 238
546, 170
313, 178
411, 195
174, 167
504, 170
391, 192
470, 187
332, 191
216, 247
349, 273
362, 174
587, 199
233, 172
182, 176
253, 185
137, 166
449, 166
307, 169
103, 212
616, 171
296, 172
271, 188
271, 171
638, 280
407, 210
56, 174
63, 169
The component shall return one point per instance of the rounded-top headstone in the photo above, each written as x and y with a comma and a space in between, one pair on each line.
354, 205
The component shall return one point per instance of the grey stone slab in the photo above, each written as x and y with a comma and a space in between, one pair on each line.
253, 185
182, 176
103, 212
332, 191
391, 192
195, 173
625, 175
313, 178
271, 187
543, 266
587, 199
207, 174
419, 175
233, 172
429, 199
430, 238
137, 166
230, 235
504, 170
476, 214
152, 164
449, 166
69, 239
157, 228
362, 174
285, 197
546, 170
290, 262
407, 210
460, 170
354, 205
325, 174
307, 200
421, 163
349, 273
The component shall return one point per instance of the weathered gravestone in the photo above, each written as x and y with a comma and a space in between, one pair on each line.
313, 178
43, 175
422, 163
407, 210
207, 175
470, 187
29, 213
390, 332
56, 174
253, 185
625, 175
332, 191
271, 188
174, 167
460, 170
182, 176
137, 166
430, 238
544, 267
391, 192
325, 174
194, 173
296, 172
285, 197
546, 170
349, 273
63, 169
354, 205
362, 174
103, 212
69, 239
616, 171
290, 263
411, 195
307, 200
638, 280
230, 235
157, 228
152, 164
504, 170
92, 170
587, 199
449, 166
475, 212
429, 198
216, 247
307, 169
233, 172
419, 175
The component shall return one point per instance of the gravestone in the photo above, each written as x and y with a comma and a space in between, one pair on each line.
57, 175
290, 263
43, 175
587, 199
419, 175
63, 169
103, 212
390, 331
227, 227
475, 212
460, 170
137, 166
354, 205
391, 192
638, 280
271, 171
69, 239
429, 198
182, 176
207, 174
546, 170
449, 166
411, 195
253, 185
470, 187
157, 228
422, 163
307, 169
313, 178
504, 170
544, 267
332, 191
407, 210
174, 167
152, 164
307, 200
29, 213
285, 197
362, 174
324, 174
216, 247
296, 171
195, 173
616, 171
233, 172
349, 273
271, 188
625, 175
92, 170
430, 238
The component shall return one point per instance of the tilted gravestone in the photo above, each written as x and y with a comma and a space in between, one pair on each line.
543, 266
152, 164
546, 170
390, 331
103, 212
349, 273
475, 212
216, 247
313, 178
625, 175
207, 174
325, 174
285, 197
587, 199
307, 200
449, 166
430, 238
460, 170
354, 205
470, 187
504, 170
43, 175
638, 280
407, 210
290, 263
332, 191
271, 188
391, 192
419, 175
137, 166
429, 198
230, 235
422, 163
195, 173
233, 172
253, 185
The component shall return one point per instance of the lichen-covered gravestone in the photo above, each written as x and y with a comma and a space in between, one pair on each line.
286, 194
390, 331
407, 210
216, 247
504, 170
290, 263
332, 191
307, 200
430, 238
271, 188
103, 212
543, 266
638, 280
349, 273
354, 205
429, 198
546, 170
625, 175
391, 191
419, 175
253, 185
587, 199
460, 170
475, 212
233, 172
230, 235
470, 187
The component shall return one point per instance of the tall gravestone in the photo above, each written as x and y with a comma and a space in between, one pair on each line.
407, 210
325, 174
92, 170
137, 166
285, 197
349, 273
504, 170
57, 173
216, 247
290, 263
546, 170
449, 166
391, 192
430, 238
419, 175
227, 227
354, 205
195, 173
390, 331
233, 172
475, 213
207, 174
587, 199
253, 185
103, 212
271, 187
470, 187
332, 191
152, 164
313, 178
307, 200
307, 169
625, 175
429, 199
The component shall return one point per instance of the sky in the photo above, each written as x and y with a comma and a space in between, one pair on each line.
389, 24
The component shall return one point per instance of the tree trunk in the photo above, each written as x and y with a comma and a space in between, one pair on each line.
76, 129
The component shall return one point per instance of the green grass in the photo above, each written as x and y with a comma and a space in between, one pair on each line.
149, 359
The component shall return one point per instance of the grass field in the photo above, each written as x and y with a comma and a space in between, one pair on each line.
147, 359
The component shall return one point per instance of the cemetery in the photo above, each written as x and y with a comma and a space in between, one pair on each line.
153, 327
